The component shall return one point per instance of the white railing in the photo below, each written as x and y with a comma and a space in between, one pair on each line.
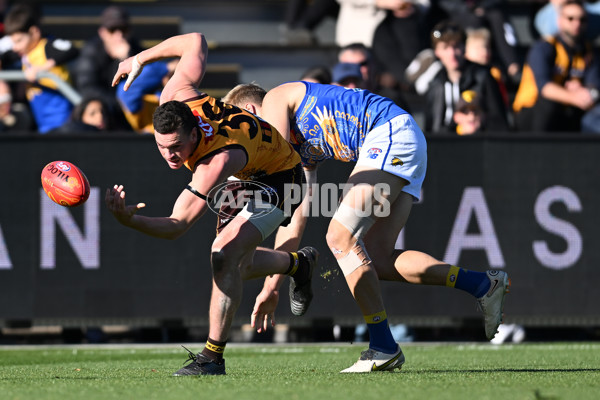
62, 86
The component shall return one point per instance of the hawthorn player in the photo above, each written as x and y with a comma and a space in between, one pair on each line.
215, 141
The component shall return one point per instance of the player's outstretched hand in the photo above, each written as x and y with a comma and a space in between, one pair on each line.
264, 308
130, 68
115, 201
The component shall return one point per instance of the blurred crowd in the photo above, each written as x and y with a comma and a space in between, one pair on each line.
39, 105
459, 63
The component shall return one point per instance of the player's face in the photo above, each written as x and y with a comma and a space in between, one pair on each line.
175, 148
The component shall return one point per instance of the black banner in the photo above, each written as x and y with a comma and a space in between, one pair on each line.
527, 206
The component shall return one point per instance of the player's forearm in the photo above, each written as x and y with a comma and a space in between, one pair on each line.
175, 46
273, 282
159, 227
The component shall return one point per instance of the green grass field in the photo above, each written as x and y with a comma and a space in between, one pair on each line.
432, 371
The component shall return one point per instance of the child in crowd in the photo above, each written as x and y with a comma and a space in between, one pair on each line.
50, 108
468, 115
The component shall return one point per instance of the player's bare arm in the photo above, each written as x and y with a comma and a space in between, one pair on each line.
188, 208
192, 51
280, 104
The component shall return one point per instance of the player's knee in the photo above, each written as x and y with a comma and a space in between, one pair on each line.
218, 261
354, 259
337, 240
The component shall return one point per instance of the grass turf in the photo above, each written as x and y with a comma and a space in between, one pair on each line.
432, 371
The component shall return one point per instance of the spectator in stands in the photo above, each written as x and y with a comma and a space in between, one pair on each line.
317, 74
91, 115
404, 19
347, 75
358, 53
8, 58
100, 58
489, 14
478, 49
139, 101
545, 20
357, 21
561, 77
302, 17
40, 54
458, 76
421, 71
468, 115
14, 117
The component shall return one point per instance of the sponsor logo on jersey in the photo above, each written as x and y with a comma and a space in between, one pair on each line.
373, 152
206, 128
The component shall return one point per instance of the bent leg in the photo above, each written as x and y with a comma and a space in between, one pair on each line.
370, 197
343, 238
231, 252
405, 266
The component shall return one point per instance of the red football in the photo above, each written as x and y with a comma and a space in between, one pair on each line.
65, 184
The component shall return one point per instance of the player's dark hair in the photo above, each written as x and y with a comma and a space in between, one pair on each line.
174, 116
20, 18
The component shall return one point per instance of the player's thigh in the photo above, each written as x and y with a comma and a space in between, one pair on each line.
368, 196
371, 187
238, 240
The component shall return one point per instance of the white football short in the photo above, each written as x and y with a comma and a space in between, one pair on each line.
399, 148
266, 218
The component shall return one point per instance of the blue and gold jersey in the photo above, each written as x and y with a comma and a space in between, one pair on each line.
50, 108
332, 122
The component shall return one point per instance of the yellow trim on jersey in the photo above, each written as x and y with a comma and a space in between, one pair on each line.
37, 57
528, 92
141, 121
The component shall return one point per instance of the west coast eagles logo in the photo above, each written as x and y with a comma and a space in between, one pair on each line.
397, 161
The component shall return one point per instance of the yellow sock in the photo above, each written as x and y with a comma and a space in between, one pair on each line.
452, 276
